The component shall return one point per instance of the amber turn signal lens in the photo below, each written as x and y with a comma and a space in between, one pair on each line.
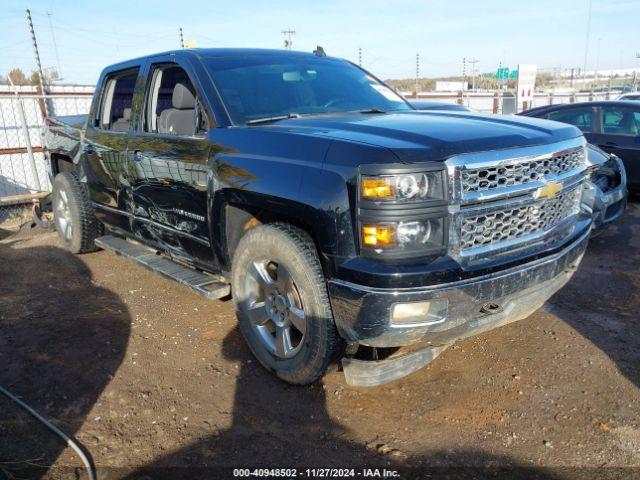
378, 236
377, 188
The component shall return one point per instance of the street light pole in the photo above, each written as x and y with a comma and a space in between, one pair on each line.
586, 47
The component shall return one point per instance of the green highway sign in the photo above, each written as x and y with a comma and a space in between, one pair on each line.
503, 73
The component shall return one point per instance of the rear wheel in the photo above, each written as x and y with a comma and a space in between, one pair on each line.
73, 214
282, 303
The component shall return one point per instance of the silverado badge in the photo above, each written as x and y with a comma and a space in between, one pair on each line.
549, 191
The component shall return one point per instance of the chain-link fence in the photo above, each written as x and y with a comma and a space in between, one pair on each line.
23, 170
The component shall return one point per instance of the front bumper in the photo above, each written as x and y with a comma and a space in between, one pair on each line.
608, 206
363, 314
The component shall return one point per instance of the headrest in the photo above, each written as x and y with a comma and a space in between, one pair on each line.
126, 114
182, 98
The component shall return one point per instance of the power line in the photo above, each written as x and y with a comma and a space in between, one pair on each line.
55, 45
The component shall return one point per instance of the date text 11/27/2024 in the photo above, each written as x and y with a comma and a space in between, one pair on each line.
316, 473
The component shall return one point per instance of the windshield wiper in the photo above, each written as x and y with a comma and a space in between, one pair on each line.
272, 119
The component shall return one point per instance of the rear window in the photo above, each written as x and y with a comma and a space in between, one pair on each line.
116, 100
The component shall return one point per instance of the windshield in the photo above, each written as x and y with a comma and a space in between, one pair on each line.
263, 86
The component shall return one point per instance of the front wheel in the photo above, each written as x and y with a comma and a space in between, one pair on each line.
282, 303
73, 214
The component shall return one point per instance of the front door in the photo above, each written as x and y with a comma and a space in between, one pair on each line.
104, 149
169, 155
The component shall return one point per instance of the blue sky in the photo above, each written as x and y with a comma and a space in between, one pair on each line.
549, 33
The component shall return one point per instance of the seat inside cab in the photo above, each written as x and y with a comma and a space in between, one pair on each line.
173, 108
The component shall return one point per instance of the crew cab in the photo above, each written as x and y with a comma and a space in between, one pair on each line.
344, 223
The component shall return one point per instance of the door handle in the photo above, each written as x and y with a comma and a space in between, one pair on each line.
608, 144
88, 148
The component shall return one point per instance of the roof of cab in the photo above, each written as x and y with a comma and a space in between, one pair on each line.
211, 53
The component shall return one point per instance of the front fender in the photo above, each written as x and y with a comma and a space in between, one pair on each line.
290, 189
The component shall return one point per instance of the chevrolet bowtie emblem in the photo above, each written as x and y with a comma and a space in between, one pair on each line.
550, 190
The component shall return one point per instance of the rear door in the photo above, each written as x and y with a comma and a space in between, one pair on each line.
105, 148
619, 133
169, 153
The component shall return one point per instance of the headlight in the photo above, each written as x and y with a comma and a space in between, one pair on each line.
417, 236
403, 210
408, 187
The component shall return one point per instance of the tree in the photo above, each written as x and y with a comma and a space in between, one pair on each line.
18, 77
35, 78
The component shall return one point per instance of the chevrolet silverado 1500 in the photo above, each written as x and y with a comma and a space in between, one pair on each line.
344, 222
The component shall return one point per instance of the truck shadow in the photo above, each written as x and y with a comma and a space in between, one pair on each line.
601, 301
280, 426
61, 340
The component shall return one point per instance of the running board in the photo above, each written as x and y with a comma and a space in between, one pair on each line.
210, 287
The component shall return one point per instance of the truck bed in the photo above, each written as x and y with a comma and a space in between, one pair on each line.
62, 134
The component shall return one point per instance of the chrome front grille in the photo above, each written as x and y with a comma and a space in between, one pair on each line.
520, 171
507, 224
515, 199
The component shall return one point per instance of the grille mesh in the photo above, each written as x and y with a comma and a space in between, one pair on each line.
515, 174
509, 223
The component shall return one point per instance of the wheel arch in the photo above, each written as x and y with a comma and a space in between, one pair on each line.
61, 163
234, 213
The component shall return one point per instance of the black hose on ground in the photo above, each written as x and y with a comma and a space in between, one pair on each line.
85, 457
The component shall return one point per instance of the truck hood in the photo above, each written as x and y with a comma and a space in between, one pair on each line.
417, 136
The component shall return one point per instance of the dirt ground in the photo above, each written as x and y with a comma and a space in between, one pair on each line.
156, 382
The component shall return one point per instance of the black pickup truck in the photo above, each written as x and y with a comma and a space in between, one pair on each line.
344, 223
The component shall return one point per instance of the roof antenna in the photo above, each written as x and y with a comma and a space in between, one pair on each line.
319, 52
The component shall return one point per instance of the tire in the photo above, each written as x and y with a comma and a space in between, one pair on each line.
74, 217
288, 256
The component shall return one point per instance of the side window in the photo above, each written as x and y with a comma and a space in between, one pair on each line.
172, 105
580, 117
619, 121
115, 104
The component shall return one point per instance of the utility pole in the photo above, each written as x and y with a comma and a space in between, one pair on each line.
288, 40
586, 47
597, 62
417, 73
473, 62
181, 38
572, 71
360, 57
464, 69
38, 64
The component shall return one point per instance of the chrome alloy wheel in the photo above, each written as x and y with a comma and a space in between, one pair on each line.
274, 308
63, 215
